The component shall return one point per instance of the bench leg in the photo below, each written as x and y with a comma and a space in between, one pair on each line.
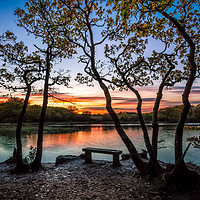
116, 160
88, 157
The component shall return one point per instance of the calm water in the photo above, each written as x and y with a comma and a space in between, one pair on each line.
97, 136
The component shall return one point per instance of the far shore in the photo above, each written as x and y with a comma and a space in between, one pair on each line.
74, 126
94, 123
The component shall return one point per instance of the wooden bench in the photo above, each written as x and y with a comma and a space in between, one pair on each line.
88, 154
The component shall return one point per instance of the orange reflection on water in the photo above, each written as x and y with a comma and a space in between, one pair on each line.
96, 136
51, 140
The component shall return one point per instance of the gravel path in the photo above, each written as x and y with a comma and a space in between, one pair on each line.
79, 181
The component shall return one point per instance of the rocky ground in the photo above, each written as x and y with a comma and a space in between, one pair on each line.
76, 180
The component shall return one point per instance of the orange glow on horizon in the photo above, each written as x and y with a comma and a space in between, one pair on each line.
121, 101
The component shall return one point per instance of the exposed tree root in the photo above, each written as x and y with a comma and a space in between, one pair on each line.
181, 176
19, 169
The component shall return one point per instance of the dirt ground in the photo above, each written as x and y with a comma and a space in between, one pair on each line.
79, 181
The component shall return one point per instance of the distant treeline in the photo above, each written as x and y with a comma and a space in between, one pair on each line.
9, 112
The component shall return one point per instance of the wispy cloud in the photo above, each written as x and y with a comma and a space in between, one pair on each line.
121, 101
196, 92
182, 87
180, 90
129, 100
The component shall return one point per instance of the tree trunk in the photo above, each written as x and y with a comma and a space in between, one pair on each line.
155, 123
37, 161
19, 128
186, 104
156, 108
155, 167
179, 131
140, 164
181, 175
187, 90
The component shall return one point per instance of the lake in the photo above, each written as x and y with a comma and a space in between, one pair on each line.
66, 142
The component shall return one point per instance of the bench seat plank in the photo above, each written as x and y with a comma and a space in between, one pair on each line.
104, 151
89, 150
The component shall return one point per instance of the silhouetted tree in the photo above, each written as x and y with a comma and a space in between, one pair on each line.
37, 18
87, 17
176, 24
26, 69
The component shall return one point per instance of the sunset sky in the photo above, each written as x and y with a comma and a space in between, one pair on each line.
89, 98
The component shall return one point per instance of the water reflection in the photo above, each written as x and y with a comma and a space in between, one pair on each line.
97, 136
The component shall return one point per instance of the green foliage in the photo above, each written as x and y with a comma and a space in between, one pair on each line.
85, 116
148, 117
31, 155
197, 112
189, 127
106, 117
32, 113
58, 114
20, 68
152, 18
195, 141
128, 117
9, 111
170, 114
